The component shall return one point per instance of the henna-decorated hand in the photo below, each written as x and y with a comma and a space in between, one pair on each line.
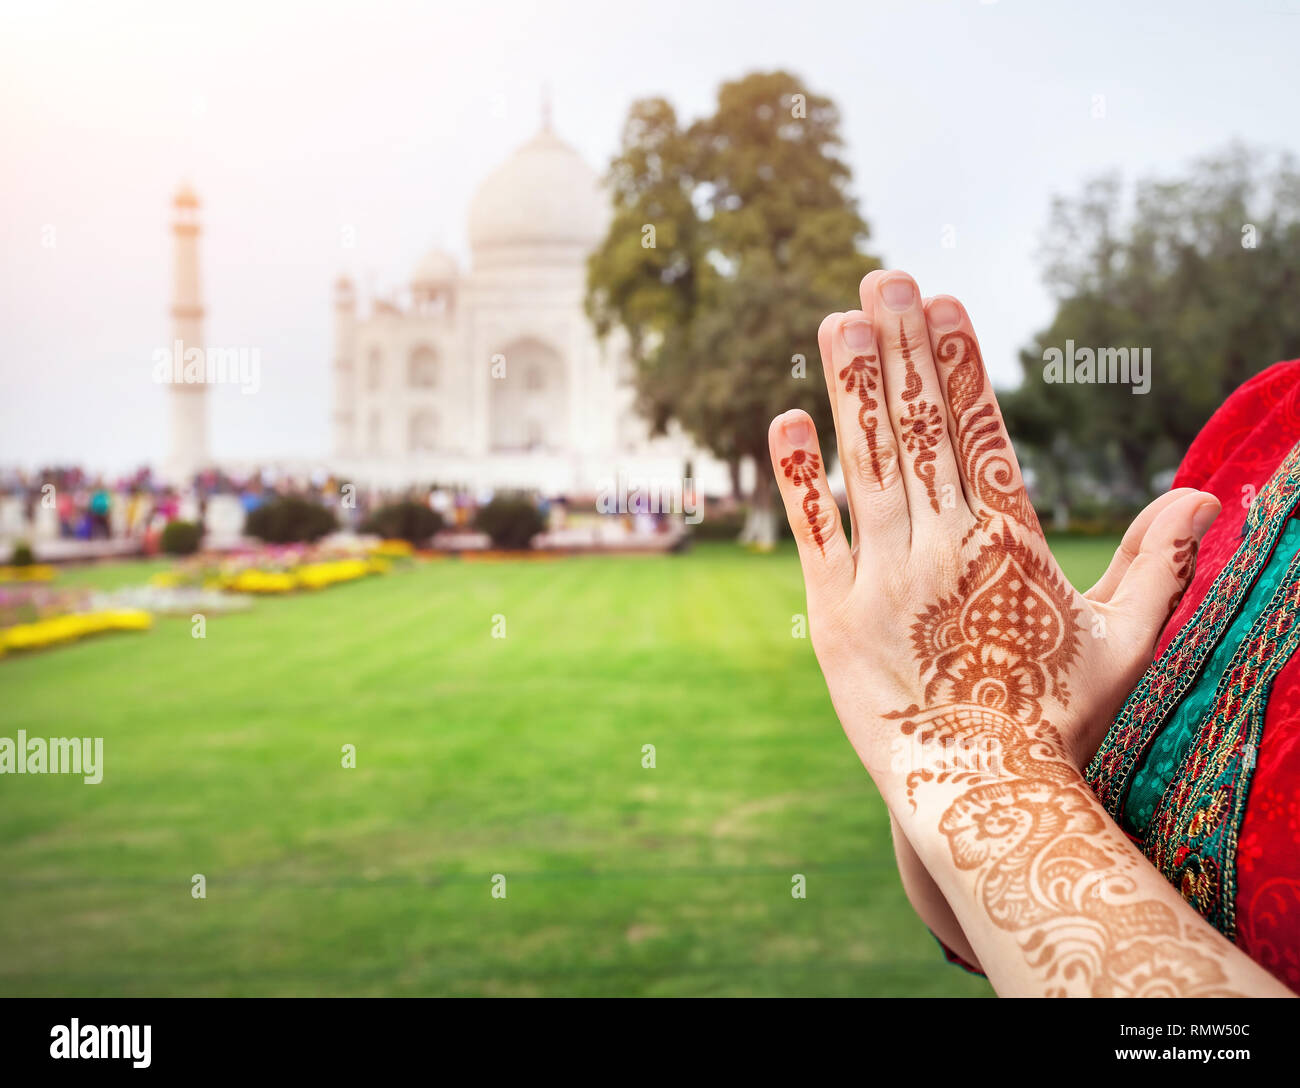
948, 628
950, 594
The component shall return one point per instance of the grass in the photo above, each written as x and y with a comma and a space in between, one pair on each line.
476, 756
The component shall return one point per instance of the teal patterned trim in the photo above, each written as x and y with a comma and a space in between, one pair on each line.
1169, 748
1168, 678
1194, 830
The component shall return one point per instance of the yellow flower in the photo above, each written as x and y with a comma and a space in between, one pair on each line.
58, 629
35, 572
393, 549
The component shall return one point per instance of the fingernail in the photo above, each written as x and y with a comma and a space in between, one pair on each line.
898, 293
797, 430
944, 314
1204, 518
857, 335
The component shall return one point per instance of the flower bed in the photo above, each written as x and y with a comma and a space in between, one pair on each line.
35, 616
68, 628
393, 549
33, 572
173, 600
303, 576
33, 601
276, 570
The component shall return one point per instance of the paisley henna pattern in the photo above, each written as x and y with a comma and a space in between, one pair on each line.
861, 376
1044, 871
922, 423
990, 658
1005, 639
802, 469
984, 452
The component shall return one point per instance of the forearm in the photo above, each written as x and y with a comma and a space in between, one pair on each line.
1052, 896
926, 898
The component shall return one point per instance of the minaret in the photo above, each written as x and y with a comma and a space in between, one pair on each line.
189, 410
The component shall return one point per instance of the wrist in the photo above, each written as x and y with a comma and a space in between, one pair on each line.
942, 759
942, 751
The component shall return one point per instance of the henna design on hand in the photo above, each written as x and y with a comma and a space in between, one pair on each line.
922, 424
985, 453
1005, 639
861, 376
802, 469
1185, 560
1027, 828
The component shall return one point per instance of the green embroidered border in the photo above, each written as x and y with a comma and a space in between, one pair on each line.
1111, 770
1175, 740
1193, 833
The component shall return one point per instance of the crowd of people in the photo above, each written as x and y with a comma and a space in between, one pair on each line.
129, 512
71, 503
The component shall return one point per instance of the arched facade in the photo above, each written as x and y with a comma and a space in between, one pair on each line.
529, 399
492, 377
422, 368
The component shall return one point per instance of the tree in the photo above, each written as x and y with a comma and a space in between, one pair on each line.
1203, 271
731, 238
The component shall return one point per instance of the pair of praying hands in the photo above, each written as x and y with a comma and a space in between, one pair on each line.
947, 626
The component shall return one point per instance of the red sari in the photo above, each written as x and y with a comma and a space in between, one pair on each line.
1225, 829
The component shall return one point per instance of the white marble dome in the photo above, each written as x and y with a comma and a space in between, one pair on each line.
435, 267
542, 204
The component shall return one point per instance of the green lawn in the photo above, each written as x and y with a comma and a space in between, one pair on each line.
476, 756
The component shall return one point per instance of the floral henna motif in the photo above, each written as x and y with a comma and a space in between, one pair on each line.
802, 469
860, 377
921, 425
1032, 834
984, 451
1025, 826
1005, 639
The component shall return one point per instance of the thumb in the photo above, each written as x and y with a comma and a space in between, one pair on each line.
1154, 583
1131, 545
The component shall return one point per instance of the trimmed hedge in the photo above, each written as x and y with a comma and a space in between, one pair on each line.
181, 538
290, 520
413, 522
510, 521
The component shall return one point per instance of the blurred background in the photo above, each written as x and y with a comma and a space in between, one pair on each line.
383, 440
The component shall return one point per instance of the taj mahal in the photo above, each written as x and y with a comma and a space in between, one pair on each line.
484, 378
493, 377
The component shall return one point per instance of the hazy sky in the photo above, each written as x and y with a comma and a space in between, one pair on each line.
295, 122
